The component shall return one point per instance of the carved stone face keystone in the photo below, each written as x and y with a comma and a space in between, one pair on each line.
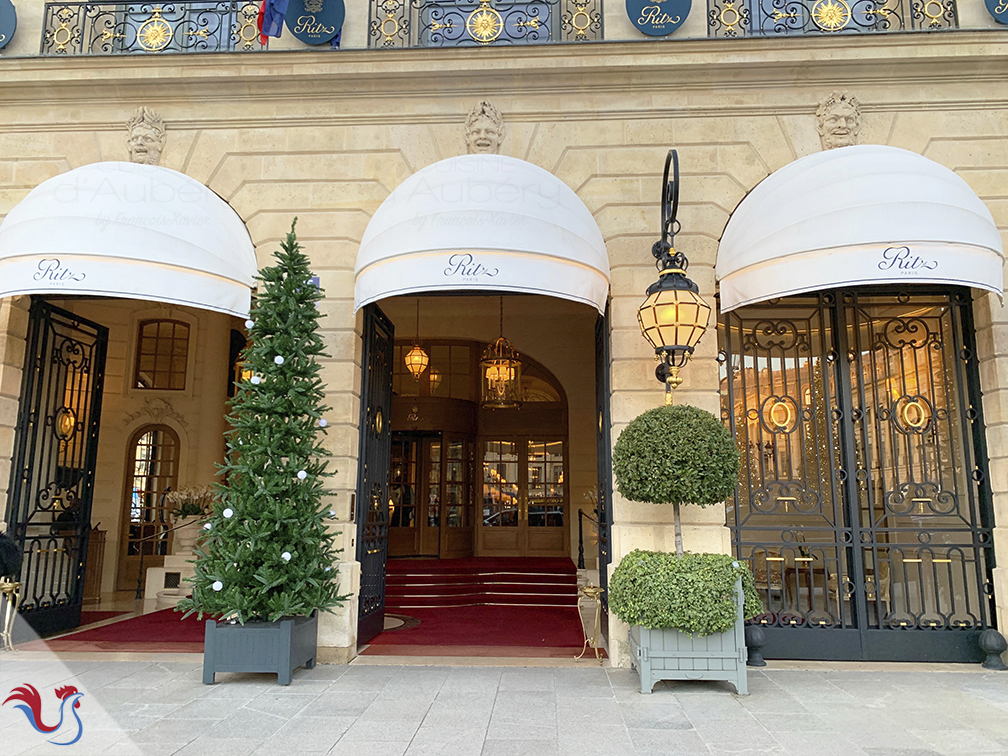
483, 137
839, 121
145, 145
146, 138
484, 129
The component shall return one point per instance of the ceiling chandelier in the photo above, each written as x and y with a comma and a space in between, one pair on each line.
501, 371
417, 359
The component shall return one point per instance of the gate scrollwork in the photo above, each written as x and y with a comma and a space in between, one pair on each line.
861, 502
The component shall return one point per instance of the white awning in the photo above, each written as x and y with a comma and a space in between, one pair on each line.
127, 230
483, 223
857, 216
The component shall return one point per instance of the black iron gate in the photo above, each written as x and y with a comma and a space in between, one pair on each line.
863, 506
53, 468
374, 455
603, 511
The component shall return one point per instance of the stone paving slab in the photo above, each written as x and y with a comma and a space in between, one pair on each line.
160, 706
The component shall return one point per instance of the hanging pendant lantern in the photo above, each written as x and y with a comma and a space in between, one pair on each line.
417, 359
435, 380
674, 316
501, 371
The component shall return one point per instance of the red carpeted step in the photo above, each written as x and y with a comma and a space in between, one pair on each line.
516, 582
556, 565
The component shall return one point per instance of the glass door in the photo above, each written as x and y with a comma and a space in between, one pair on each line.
430, 495
502, 528
404, 488
524, 498
459, 518
425, 473
545, 508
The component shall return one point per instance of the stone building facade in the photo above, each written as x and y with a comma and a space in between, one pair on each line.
326, 135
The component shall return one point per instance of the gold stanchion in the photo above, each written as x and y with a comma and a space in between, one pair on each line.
592, 593
11, 595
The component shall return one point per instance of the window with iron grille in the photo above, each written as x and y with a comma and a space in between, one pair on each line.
95, 28
477, 23
771, 18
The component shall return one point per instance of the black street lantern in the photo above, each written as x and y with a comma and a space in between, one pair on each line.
674, 316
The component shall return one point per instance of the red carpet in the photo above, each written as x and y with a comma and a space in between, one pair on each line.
87, 618
163, 631
522, 606
489, 626
414, 584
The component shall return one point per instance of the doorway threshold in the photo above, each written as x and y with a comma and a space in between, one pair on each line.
477, 656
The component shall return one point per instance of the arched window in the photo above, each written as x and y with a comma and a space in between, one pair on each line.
152, 463
162, 355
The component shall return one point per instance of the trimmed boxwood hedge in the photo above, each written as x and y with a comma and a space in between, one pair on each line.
694, 594
676, 455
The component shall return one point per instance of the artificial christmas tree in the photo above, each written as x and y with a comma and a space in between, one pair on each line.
265, 564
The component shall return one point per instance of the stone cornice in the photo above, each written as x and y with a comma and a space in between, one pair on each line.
650, 68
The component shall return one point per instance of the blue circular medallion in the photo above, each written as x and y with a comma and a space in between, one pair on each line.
8, 22
658, 19
315, 22
998, 9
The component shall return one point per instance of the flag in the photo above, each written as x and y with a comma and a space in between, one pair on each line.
271, 18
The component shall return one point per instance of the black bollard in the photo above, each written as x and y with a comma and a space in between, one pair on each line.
993, 644
755, 640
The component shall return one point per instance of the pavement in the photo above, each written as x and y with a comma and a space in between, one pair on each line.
159, 706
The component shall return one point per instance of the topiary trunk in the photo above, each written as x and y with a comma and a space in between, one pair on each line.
678, 530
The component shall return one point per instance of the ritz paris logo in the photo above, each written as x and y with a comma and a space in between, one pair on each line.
29, 703
51, 269
903, 260
462, 266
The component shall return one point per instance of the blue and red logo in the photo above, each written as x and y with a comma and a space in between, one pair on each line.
31, 706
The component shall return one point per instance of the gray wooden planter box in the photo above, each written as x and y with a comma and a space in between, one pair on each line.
672, 655
279, 647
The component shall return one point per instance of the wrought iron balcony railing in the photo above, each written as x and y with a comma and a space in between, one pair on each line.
197, 26
766, 18
475, 23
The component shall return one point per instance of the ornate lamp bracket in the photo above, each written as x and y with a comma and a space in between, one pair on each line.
664, 250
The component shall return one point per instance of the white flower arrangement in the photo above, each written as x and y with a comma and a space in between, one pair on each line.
190, 501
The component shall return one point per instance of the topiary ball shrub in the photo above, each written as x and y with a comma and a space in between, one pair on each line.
694, 594
676, 455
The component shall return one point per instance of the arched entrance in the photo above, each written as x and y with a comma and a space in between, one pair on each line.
466, 480
850, 380
479, 228
99, 240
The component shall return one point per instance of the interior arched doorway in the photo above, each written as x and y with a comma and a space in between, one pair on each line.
441, 441
850, 380
106, 240
455, 243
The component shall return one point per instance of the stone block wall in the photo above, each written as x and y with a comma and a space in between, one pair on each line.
327, 137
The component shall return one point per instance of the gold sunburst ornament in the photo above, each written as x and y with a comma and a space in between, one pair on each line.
154, 34
831, 15
484, 24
